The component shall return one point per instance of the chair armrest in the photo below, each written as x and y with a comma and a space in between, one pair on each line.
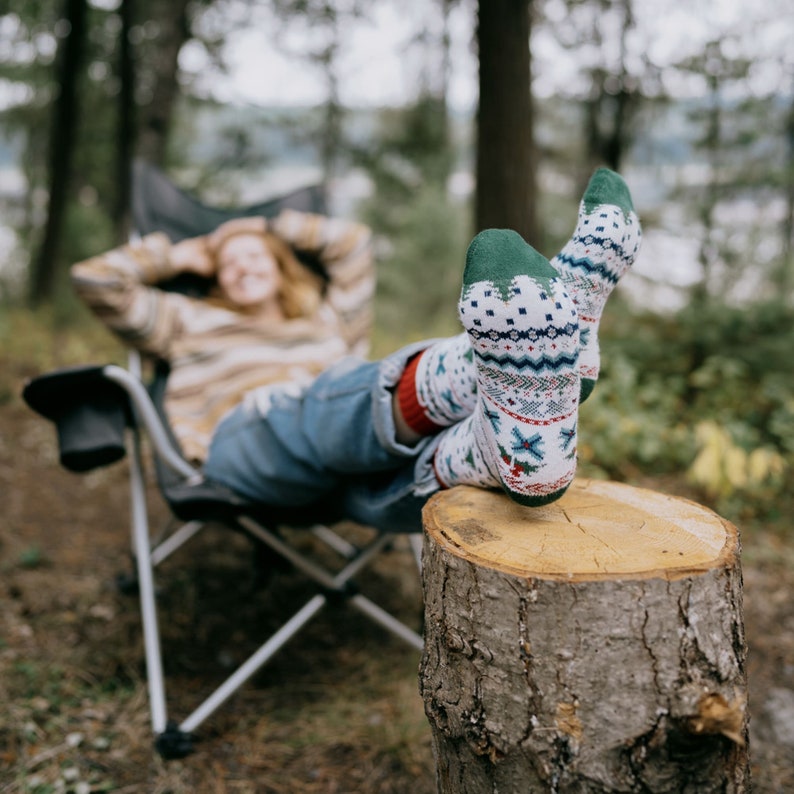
149, 419
89, 413
90, 407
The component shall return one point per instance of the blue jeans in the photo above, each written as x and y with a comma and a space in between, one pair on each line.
335, 439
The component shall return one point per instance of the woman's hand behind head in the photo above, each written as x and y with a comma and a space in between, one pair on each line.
192, 256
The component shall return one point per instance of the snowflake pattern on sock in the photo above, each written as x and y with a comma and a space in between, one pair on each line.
523, 329
603, 247
446, 384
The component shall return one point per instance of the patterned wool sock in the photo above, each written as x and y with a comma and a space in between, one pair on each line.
438, 387
524, 332
603, 247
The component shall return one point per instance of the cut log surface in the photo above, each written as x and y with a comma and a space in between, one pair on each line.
592, 645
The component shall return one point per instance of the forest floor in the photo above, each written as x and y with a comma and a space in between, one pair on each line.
337, 710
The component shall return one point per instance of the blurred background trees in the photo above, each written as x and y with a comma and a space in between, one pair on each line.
696, 109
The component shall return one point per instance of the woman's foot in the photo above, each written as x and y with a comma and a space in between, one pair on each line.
524, 331
603, 247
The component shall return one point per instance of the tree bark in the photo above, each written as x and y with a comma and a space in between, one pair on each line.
593, 645
609, 113
61, 150
126, 124
157, 114
505, 168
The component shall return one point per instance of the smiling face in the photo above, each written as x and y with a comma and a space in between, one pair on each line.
248, 274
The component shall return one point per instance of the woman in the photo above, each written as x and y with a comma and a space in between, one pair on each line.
269, 319
494, 407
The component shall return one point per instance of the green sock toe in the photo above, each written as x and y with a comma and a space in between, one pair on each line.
525, 500
586, 389
607, 187
499, 255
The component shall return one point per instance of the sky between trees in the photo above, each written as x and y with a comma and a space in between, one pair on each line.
381, 61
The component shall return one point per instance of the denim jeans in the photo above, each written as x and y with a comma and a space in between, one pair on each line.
287, 446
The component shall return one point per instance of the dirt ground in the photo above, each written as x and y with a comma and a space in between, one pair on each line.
337, 710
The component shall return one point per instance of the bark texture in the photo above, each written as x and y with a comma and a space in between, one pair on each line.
577, 679
506, 161
63, 136
162, 79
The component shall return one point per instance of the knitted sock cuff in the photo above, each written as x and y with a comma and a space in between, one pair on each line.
412, 411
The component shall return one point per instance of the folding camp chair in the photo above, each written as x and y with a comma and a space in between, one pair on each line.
92, 406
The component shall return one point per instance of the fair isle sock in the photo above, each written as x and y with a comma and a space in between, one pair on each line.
524, 332
439, 386
603, 247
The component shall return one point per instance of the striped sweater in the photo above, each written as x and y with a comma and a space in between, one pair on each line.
216, 353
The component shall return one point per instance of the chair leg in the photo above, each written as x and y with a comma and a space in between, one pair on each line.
142, 551
174, 743
254, 662
387, 621
336, 542
173, 740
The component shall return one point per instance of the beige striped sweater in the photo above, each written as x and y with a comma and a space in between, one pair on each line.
218, 354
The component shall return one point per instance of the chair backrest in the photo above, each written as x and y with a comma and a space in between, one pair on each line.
158, 205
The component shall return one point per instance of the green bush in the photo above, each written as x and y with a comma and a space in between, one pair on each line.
708, 393
420, 267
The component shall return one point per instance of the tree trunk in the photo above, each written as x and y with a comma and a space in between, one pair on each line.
505, 152
593, 645
156, 116
61, 150
126, 124
609, 113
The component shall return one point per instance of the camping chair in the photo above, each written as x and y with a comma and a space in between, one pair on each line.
92, 406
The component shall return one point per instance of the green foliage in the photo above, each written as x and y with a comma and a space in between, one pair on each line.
31, 557
707, 392
419, 270
633, 422
423, 231
89, 229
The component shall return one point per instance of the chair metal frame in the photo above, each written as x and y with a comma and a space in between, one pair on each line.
144, 419
174, 740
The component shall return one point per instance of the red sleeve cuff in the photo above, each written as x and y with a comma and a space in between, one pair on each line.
412, 411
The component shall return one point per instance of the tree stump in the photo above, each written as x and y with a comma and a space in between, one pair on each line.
592, 645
